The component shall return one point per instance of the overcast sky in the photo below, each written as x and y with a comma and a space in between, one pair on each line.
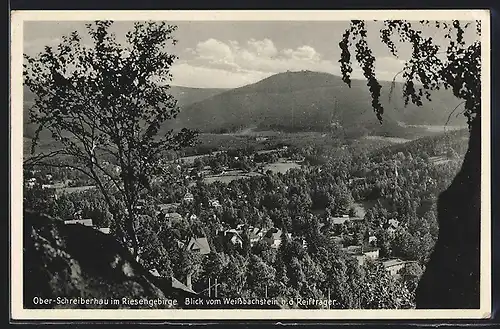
225, 54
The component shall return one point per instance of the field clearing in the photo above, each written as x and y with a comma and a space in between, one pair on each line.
229, 177
440, 159
190, 159
277, 167
437, 128
394, 140
75, 189
280, 167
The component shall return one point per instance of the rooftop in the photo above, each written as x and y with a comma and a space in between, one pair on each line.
200, 245
85, 222
392, 262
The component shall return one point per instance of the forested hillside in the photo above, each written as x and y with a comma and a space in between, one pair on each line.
312, 101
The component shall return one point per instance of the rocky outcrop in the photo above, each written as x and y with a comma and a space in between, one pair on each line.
451, 279
68, 264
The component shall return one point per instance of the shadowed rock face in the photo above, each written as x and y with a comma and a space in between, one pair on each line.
77, 261
451, 279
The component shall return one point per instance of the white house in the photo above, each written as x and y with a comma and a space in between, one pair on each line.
393, 266
372, 253
105, 230
372, 240
234, 237
188, 197
85, 222
30, 183
255, 235
215, 203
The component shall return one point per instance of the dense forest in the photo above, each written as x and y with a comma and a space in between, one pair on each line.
399, 183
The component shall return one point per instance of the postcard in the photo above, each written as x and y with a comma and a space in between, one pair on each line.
250, 165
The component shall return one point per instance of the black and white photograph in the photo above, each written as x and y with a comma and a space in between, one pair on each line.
250, 165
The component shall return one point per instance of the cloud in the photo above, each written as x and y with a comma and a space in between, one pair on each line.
230, 64
305, 53
264, 47
239, 64
258, 55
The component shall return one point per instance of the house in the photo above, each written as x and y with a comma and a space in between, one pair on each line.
105, 230
337, 220
172, 216
372, 240
236, 240
372, 253
255, 235
188, 197
85, 222
30, 183
199, 245
234, 237
393, 266
215, 203
393, 225
274, 237
155, 272
360, 258
176, 284
48, 177
167, 207
343, 219
362, 254
352, 249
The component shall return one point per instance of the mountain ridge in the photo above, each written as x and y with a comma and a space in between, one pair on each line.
308, 100
299, 101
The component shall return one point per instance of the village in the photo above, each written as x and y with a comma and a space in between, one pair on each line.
224, 167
